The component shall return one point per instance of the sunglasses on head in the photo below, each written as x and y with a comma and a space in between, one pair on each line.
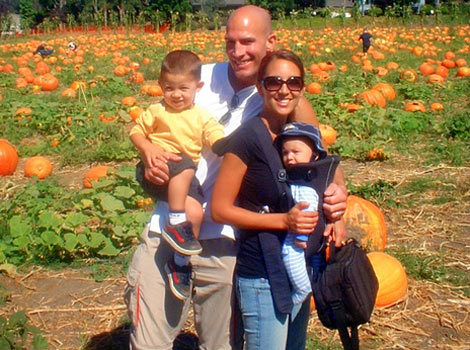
275, 83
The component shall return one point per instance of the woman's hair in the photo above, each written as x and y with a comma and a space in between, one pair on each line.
181, 62
280, 55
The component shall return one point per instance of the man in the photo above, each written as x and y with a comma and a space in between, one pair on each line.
230, 95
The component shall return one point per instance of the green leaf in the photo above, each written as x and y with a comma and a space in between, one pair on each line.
51, 238
110, 203
22, 242
71, 241
108, 249
39, 343
18, 319
76, 219
4, 344
50, 220
86, 203
96, 239
18, 227
102, 183
82, 239
124, 192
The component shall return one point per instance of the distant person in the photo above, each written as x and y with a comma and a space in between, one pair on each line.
43, 51
72, 46
367, 40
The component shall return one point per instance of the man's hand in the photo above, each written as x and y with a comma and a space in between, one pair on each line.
302, 222
334, 202
336, 231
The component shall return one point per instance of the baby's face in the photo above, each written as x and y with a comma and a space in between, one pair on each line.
296, 151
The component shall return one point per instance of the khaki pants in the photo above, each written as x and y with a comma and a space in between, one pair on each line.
157, 316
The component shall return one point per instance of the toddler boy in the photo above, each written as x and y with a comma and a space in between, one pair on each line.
178, 126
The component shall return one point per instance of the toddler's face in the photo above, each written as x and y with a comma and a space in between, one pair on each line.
296, 151
179, 91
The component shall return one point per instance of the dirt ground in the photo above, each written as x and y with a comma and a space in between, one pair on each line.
76, 312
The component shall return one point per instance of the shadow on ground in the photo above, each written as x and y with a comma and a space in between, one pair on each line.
118, 339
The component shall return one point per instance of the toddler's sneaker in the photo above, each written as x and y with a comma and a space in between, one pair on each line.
181, 238
179, 278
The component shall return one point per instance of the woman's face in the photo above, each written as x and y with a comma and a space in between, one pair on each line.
282, 101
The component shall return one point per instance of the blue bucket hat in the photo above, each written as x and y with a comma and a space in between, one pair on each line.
301, 129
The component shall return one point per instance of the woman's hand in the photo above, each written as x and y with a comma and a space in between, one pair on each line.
302, 222
334, 202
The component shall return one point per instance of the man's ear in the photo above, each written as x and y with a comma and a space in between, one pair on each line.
271, 42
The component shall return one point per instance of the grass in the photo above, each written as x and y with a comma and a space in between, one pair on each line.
433, 268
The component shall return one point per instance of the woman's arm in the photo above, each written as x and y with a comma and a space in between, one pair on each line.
224, 210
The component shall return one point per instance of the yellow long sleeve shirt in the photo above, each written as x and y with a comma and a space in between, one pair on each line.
185, 132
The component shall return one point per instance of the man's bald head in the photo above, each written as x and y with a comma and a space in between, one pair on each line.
252, 14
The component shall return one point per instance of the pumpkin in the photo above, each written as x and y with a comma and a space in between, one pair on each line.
442, 71
366, 223
77, 84
463, 72
415, 106
314, 88
8, 158
435, 79
426, 69
436, 106
374, 98
94, 174
129, 101
38, 166
68, 93
449, 55
393, 283
387, 90
351, 107
328, 134
392, 65
120, 70
49, 82
135, 112
448, 63
409, 75
154, 90
460, 62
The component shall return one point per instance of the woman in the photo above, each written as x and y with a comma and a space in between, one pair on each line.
244, 187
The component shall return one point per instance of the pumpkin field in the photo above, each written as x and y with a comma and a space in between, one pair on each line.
71, 210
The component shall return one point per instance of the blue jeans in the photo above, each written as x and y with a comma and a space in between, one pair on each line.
264, 327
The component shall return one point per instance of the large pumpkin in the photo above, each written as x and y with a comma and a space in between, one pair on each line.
366, 223
391, 275
409, 75
94, 174
38, 166
374, 98
387, 90
8, 158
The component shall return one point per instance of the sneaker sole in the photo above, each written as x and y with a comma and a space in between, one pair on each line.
178, 248
175, 292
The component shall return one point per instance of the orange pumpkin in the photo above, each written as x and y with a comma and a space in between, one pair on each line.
49, 82
435, 79
94, 174
8, 158
426, 69
387, 90
129, 101
460, 62
328, 134
38, 166
154, 90
415, 106
436, 106
393, 283
409, 75
442, 71
374, 98
314, 88
463, 72
366, 223
68, 93
135, 112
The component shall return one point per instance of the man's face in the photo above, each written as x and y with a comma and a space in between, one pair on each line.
247, 42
